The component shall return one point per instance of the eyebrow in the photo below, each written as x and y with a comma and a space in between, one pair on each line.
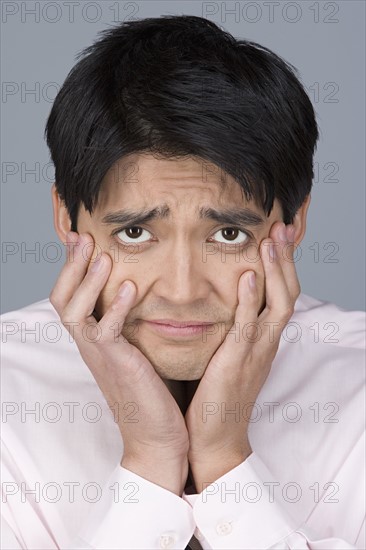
230, 216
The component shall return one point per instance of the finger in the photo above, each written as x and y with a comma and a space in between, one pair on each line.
279, 303
133, 368
242, 334
112, 322
134, 371
81, 306
285, 252
73, 272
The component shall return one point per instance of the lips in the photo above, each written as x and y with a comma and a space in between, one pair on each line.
178, 324
180, 329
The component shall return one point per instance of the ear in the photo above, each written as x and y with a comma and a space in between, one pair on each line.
299, 221
61, 220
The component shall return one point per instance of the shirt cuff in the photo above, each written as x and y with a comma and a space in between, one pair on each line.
239, 511
136, 513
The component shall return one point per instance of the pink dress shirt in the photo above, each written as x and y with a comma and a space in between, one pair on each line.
302, 487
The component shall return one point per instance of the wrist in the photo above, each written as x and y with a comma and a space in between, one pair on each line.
167, 473
213, 466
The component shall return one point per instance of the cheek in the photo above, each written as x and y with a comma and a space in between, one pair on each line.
258, 269
259, 272
230, 271
118, 275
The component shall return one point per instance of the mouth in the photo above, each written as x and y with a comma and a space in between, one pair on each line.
167, 327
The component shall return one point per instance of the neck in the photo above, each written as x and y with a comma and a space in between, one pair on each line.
182, 391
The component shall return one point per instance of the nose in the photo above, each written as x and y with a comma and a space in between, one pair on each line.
181, 275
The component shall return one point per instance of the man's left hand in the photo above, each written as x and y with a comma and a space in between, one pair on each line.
218, 416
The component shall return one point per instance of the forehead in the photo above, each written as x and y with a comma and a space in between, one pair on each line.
143, 178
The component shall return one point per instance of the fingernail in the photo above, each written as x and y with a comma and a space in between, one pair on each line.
97, 264
290, 233
125, 290
282, 233
252, 280
272, 251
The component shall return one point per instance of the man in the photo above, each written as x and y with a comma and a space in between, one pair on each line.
189, 394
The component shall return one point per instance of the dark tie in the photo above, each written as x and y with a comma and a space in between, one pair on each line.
193, 544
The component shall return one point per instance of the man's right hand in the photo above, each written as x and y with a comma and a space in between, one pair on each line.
156, 446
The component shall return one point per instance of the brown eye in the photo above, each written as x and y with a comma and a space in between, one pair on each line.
133, 235
134, 232
231, 234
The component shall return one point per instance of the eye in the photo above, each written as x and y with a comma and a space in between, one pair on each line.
231, 234
133, 235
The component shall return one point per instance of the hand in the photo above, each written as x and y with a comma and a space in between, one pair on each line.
155, 446
239, 368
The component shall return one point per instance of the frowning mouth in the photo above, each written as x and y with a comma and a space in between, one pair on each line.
180, 324
169, 327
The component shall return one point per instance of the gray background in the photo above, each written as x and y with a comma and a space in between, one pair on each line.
324, 40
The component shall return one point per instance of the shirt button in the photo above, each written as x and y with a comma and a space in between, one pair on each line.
224, 528
166, 541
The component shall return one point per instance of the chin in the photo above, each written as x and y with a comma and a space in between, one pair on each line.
177, 362
170, 374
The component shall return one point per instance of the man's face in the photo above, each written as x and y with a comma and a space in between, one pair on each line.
185, 267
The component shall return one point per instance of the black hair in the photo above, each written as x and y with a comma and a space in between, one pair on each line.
176, 86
